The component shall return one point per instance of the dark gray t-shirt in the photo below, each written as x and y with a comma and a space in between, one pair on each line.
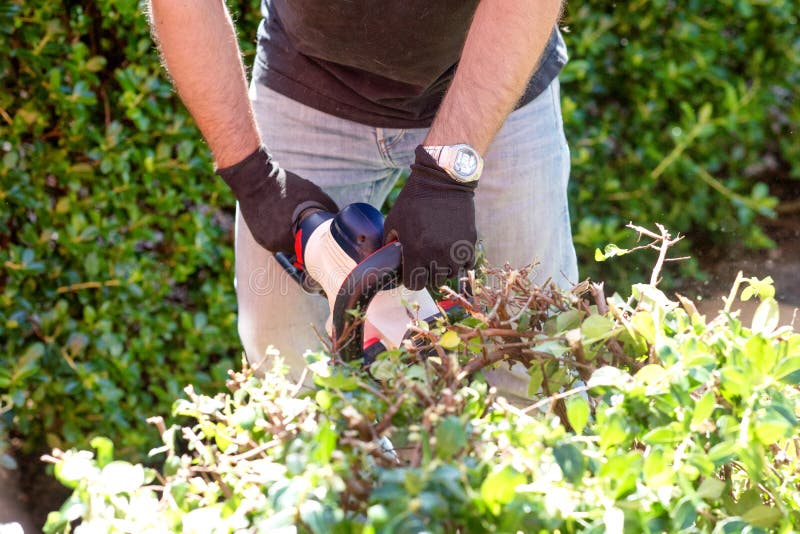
377, 62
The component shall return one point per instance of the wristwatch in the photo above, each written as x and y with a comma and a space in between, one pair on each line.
461, 162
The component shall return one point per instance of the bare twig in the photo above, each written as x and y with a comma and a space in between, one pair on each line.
158, 422
296, 389
661, 242
553, 398
386, 420
599, 297
734, 291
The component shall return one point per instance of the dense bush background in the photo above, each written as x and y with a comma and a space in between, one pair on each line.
683, 113
116, 281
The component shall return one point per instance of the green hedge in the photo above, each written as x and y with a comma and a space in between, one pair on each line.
683, 113
664, 421
116, 281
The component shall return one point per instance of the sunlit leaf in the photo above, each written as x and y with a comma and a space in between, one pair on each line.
577, 413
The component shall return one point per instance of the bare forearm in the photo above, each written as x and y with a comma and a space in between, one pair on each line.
503, 47
199, 48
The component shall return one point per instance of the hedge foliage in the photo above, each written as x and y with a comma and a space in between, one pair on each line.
667, 421
115, 289
117, 268
683, 113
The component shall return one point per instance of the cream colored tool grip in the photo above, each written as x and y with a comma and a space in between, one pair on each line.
328, 264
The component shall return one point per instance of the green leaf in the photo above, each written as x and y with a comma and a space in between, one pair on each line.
788, 370
536, 378
711, 488
377, 514
705, 112
684, 514
383, 369
325, 399
413, 481
766, 316
96, 63
325, 443
614, 431
649, 374
557, 377
474, 345
320, 519
105, 450
747, 500
171, 465
763, 516
449, 478
450, 340
5, 378
222, 437
571, 462
433, 504
723, 452
500, 486
609, 376
77, 343
75, 467
703, 408
644, 325
28, 363
655, 468
596, 327
451, 437
568, 320
598, 255
748, 293
337, 380
771, 426
764, 288
554, 347
663, 434
578, 413
209, 405
761, 353
609, 251
730, 525
415, 373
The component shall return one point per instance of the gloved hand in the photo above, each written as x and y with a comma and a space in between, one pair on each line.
271, 199
434, 220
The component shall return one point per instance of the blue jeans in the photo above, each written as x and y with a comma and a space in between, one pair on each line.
521, 209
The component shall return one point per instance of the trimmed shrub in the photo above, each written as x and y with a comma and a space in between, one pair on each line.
667, 421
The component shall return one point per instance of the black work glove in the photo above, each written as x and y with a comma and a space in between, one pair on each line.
271, 199
434, 220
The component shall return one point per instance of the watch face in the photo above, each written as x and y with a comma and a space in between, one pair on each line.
466, 163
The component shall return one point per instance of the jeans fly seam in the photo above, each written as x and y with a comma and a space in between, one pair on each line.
384, 146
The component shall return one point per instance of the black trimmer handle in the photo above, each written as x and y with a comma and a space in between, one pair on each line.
379, 271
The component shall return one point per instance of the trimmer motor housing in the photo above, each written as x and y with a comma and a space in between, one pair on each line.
343, 256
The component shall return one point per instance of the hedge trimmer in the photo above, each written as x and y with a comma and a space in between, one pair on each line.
343, 256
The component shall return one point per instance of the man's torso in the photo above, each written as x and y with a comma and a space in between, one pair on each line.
376, 62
